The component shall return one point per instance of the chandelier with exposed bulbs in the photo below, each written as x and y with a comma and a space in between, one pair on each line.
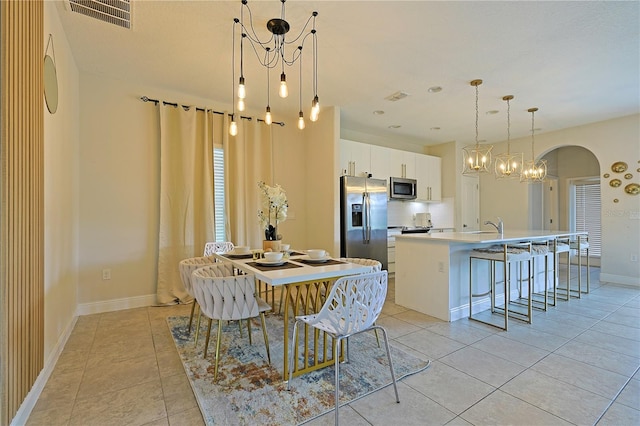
275, 52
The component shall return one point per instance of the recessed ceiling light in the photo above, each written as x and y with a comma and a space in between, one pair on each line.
434, 128
493, 111
378, 112
395, 126
434, 89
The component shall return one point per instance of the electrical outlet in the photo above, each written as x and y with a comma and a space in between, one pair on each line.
106, 274
634, 257
440, 266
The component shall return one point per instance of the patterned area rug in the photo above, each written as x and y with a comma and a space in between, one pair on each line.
249, 390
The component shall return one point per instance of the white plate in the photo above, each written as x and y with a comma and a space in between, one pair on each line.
235, 253
320, 260
265, 262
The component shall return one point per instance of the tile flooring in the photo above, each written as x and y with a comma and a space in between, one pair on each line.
576, 364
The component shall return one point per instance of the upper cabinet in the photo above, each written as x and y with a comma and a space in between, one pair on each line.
355, 158
380, 165
402, 164
428, 177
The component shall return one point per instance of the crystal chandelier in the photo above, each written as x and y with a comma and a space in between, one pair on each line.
508, 164
477, 158
272, 53
532, 170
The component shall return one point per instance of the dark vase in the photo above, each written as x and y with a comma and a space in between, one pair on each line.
270, 234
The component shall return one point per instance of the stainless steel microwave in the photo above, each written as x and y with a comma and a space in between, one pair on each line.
402, 188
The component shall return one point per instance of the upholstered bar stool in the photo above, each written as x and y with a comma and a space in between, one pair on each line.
580, 244
507, 254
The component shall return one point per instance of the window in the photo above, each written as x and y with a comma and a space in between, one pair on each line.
586, 209
219, 195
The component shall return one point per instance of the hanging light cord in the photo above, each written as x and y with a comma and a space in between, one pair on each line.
477, 144
533, 132
508, 127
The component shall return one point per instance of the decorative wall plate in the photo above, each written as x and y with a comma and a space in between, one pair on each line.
619, 166
628, 176
615, 200
632, 189
606, 175
615, 183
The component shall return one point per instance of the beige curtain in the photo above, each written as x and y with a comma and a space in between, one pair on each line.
248, 161
186, 194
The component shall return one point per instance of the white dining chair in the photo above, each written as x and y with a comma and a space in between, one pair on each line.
223, 296
218, 247
187, 266
352, 307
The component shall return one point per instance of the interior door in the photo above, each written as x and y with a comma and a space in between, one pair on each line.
470, 204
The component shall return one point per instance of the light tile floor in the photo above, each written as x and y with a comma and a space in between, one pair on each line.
576, 364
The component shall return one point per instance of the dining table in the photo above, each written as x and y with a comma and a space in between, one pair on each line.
304, 284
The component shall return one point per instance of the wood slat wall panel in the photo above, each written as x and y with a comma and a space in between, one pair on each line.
21, 202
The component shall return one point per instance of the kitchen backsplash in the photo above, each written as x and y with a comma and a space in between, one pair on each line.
401, 213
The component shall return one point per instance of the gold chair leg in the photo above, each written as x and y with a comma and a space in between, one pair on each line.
215, 372
198, 326
193, 308
249, 330
206, 343
266, 338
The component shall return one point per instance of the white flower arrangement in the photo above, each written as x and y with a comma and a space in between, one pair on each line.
274, 209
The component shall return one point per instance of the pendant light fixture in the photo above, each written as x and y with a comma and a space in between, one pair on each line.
533, 171
508, 165
272, 53
477, 158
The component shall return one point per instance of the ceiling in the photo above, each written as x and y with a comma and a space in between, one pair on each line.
578, 62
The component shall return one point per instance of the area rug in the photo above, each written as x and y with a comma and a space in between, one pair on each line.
251, 391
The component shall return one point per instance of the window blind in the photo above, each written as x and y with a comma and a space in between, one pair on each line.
219, 195
587, 208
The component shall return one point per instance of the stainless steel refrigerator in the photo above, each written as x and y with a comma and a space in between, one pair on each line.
363, 218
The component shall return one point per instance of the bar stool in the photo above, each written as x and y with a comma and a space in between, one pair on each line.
539, 250
560, 245
507, 254
580, 243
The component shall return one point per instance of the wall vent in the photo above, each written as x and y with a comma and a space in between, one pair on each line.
116, 12
396, 96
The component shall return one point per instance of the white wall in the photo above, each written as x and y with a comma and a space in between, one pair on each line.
610, 141
61, 135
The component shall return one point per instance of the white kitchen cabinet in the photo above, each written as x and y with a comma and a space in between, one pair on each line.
380, 165
355, 158
402, 164
428, 177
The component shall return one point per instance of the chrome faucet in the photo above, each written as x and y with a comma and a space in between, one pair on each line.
499, 227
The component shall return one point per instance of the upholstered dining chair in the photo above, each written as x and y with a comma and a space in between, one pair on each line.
352, 307
223, 296
187, 266
218, 247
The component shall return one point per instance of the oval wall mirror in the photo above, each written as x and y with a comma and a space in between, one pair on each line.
50, 84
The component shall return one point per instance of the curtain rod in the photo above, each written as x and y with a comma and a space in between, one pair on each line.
156, 101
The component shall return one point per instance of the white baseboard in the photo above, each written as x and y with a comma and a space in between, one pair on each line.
620, 279
31, 399
116, 304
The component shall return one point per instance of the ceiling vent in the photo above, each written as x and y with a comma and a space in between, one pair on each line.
396, 96
116, 12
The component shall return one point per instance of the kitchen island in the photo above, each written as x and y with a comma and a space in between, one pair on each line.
432, 270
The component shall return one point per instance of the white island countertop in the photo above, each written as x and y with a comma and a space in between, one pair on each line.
433, 270
487, 237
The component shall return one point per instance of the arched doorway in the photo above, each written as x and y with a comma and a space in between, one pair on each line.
570, 197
